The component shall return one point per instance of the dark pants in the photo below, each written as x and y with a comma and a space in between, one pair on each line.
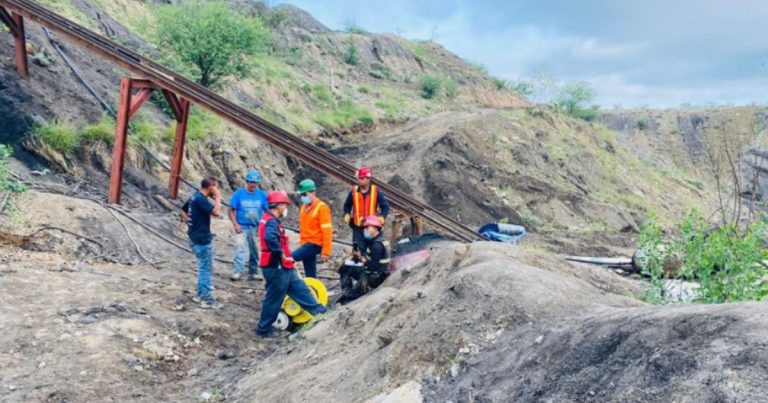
280, 282
356, 281
358, 237
307, 254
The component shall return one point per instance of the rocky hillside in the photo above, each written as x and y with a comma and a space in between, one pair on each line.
482, 155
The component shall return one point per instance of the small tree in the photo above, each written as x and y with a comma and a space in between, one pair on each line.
573, 100
351, 55
210, 42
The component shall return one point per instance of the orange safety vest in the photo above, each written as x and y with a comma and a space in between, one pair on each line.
315, 226
364, 205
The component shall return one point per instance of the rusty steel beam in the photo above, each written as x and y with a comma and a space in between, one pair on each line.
141, 83
177, 158
121, 138
21, 47
138, 99
173, 103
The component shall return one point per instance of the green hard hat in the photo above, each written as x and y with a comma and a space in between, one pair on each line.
307, 185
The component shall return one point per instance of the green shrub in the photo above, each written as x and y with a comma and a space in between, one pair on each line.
363, 89
530, 219
391, 109
102, 131
727, 261
40, 59
523, 88
430, 87
418, 52
322, 94
451, 88
351, 54
60, 136
144, 131
377, 74
501, 84
7, 182
293, 56
381, 72
346, 115
642, 123
208, 40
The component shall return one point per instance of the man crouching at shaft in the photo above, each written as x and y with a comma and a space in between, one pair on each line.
278, 268
373, 267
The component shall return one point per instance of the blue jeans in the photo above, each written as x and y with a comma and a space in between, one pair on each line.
307, 254
243, 241
204, 256
280, 282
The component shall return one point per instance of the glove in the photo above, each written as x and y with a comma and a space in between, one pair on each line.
347, 218
382, 218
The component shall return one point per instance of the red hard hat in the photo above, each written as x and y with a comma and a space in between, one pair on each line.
373, 221
278, 197
364, 172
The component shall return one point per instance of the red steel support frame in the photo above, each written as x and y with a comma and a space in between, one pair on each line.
15, 23
130, 103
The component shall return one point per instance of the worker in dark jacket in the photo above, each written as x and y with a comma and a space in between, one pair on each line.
197, 213
363, 201
278, 268
357, 280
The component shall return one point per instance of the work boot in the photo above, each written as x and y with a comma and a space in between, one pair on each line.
196, 299
235, 276
255, 277
269, 334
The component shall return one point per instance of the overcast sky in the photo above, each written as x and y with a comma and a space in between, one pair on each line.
659, 53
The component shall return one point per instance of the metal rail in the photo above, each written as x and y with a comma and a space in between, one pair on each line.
235, 114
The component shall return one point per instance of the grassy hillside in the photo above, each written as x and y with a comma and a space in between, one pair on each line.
306, 80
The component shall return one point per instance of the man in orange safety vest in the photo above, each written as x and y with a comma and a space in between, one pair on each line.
363, 201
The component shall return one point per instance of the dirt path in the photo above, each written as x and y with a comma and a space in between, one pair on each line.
78, 323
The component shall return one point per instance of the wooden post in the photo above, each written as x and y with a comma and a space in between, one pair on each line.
178, 149
121, 137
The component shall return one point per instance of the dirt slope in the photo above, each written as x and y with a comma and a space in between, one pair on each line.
579, 184
684, 354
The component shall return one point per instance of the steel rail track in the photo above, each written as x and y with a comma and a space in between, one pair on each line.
314, 156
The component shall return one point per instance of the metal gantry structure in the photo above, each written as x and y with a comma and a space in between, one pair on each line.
180, 93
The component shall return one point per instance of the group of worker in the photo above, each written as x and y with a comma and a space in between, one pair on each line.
255, 212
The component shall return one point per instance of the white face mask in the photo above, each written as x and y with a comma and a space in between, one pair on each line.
285, 212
